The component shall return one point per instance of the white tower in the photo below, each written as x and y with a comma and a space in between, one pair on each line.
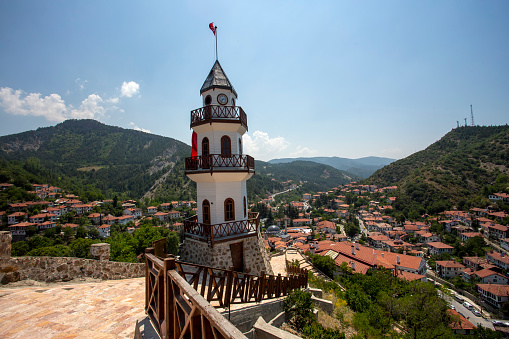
223, 233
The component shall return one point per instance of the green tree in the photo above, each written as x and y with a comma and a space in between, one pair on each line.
300, 308
81, 232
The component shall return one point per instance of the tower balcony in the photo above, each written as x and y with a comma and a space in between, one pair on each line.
222, 232
220, 163
218, 114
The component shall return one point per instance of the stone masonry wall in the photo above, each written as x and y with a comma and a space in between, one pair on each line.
50, 269
255, 257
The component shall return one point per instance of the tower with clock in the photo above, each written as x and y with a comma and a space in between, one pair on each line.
223, 233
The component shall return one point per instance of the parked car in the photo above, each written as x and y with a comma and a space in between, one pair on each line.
476, 313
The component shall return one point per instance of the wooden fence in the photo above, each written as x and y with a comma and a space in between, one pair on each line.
181, 297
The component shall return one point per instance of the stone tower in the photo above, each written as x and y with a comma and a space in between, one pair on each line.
223, 233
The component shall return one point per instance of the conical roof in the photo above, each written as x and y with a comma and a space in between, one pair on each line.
217, 79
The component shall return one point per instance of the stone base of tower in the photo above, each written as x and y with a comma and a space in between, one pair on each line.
254, 259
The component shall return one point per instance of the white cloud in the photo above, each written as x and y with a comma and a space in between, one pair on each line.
90, 108
51, 107
302, 152
112, 100
80, 83
136, 128
129, 89
262, 147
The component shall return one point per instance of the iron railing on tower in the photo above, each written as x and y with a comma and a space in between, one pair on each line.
217, 162
223, 231
217, 113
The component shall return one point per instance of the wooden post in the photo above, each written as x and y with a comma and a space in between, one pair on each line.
261, 286
168, 264
228, 292
147, 277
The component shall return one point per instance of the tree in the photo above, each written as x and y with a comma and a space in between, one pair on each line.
93, 233
300, 308
81, 232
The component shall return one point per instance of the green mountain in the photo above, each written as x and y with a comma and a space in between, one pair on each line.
314, 176
94, 160
463, 167
362, 167
86, 154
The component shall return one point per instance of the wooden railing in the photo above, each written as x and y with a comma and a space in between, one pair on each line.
213, 161
223, 231
216, 113
179, 295
294, 270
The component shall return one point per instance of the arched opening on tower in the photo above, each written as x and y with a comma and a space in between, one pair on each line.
226, 146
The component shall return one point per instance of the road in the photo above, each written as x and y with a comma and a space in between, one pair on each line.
468, 314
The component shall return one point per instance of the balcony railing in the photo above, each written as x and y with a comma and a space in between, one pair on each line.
178, 295
215, 113
221, 232
217, 161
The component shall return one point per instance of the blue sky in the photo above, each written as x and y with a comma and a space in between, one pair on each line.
328, 78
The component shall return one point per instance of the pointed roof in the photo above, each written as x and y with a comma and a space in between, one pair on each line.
217, 79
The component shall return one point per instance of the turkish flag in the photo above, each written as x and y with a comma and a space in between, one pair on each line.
212, 28
194, 149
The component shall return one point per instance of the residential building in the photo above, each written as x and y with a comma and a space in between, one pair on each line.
437, 248
449, 269
494, 294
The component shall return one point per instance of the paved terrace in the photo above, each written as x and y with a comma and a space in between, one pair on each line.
106, 309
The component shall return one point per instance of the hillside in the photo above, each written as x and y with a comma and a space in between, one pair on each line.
91, 159
458, 169
362, 167
80, 153
315, 177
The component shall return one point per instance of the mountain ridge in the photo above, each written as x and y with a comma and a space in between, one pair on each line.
362, 167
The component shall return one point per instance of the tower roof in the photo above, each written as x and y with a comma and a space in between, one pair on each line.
217, 79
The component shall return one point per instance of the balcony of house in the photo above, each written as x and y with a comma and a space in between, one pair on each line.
220, 163
218, 114
222, 232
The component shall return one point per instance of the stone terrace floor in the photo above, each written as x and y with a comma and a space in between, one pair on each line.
105, 309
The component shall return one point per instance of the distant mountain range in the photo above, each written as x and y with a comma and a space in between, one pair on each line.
87, 157
362, 167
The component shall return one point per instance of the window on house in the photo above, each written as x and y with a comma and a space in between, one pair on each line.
229, 209
226, 146
206, 211
245, 207
240, 146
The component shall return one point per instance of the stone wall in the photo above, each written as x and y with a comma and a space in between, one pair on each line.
256, 259
51, 269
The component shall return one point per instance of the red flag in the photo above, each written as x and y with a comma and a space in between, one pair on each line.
212, 28
194, 150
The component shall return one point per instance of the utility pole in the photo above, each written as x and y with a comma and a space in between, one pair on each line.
472, 115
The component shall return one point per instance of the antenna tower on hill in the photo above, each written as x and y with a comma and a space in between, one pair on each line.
472, 115
457, 123
466, 122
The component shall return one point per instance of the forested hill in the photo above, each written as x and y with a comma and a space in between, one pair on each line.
83, 154
460, 168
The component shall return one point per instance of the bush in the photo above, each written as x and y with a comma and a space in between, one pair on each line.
300, 308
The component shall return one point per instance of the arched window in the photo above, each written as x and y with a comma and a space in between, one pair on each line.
226, 146
205, 153
206, 211
208, 100
229, 210
240, 146
245, 207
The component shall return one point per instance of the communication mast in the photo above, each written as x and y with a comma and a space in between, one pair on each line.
465, 122
472, 115
458, 124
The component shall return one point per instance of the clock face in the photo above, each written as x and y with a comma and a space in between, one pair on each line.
222, 99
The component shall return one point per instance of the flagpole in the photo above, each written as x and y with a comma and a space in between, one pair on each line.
216, 40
